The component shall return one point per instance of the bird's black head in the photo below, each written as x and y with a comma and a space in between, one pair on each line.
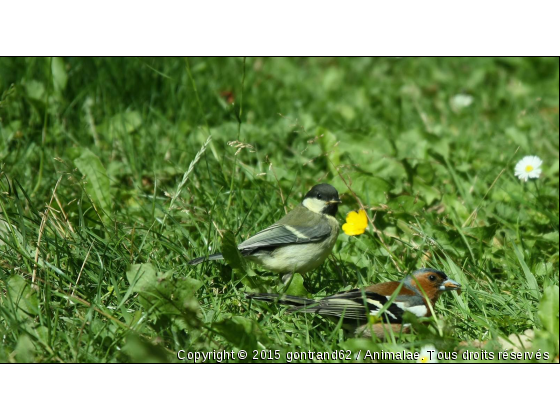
322, 198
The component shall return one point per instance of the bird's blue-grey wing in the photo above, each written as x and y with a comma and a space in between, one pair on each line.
283, 234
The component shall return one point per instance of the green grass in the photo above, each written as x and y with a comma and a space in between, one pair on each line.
100, 212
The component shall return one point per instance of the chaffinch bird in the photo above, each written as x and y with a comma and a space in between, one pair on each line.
358, 306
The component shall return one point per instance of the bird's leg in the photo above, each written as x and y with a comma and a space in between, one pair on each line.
287, 277
287, 280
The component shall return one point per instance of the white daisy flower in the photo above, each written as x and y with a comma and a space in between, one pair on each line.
528, 167
428, 354
461, 100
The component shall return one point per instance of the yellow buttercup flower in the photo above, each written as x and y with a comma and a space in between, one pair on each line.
356, 223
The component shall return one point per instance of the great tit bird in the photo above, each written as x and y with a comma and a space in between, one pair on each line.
300, 241
357, 306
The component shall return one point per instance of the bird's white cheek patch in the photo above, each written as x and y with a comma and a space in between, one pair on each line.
314, 204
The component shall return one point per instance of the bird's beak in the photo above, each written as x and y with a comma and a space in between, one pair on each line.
449, 284
334, 201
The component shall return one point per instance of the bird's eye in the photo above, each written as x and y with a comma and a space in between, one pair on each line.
319, 196
432, 277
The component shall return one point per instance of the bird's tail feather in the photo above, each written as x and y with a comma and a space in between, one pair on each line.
208, 258
295, 301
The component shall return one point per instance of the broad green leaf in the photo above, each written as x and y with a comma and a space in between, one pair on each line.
453, 203
296, 287
163, 295
412, 145
483, 233
241, 332
43, 334
96, 183
142, 277
551, 236
35, 90
22, 296
517, 136
548, 310
546, 339
121, 124
231, 253
9, 131
142, 351
371, 188
332, 78
532, 285
60, 77
25, 349
189, 285
329, 146
232, 256
346, 111
406, 204
427, 192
